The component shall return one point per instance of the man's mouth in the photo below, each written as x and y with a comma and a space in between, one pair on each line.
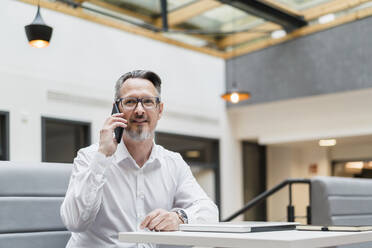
139, 121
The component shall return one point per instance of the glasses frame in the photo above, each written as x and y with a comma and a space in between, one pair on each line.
120, 101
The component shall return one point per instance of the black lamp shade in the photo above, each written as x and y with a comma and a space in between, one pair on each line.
38, 33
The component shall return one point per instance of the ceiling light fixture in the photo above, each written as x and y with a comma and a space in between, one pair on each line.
38, 33
327, 142
277, 34
326, 18
235, 95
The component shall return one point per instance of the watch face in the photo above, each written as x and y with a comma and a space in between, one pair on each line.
183, 216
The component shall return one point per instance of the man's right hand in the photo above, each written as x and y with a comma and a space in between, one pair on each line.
107, 141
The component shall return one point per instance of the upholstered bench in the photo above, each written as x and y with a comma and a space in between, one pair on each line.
30, 199
341, 201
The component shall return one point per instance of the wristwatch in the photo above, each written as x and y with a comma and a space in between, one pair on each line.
183, 216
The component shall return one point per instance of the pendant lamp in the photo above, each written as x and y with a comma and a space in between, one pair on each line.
235, 95
38, 33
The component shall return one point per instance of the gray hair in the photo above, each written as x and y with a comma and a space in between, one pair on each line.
144, 74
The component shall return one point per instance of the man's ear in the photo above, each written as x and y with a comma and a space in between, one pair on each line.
161, 106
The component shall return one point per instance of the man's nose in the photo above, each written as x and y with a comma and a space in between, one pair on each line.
139, 109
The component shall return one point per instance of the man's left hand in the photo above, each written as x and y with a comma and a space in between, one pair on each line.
161, 220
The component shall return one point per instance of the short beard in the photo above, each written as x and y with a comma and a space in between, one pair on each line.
140, 135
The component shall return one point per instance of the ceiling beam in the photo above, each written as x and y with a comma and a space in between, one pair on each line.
359, 14
189, 11
78, 12
269, 12
281, 6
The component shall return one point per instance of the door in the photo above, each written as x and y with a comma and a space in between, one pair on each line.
254, 179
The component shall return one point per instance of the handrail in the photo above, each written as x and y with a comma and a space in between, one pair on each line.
267, 193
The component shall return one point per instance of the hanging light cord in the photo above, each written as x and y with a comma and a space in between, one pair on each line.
234, 83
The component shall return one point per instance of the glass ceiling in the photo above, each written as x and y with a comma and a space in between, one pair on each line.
212, 24
223, 18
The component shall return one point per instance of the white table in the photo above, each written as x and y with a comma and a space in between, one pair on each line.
278, 239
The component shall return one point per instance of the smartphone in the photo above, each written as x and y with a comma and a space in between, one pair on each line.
119, 130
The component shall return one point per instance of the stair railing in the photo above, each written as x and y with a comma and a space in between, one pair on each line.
290, 208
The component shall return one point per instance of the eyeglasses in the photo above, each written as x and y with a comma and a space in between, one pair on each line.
130, 103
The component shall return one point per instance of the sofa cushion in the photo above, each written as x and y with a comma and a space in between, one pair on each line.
25, 214
336, 201
35, 240
33, 179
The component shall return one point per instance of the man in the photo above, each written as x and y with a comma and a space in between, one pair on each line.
135, 185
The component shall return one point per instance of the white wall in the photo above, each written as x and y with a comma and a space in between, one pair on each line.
351, 151
74, 77
280, 164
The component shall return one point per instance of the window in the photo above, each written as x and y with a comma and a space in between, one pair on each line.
61, 139
4, 135
201, 154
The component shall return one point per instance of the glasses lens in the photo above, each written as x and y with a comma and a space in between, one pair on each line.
129, 102
149, 102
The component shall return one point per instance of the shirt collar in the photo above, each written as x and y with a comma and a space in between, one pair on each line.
122, 153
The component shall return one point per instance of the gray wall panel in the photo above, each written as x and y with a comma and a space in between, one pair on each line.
335, 60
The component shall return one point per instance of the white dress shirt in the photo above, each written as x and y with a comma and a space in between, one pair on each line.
107, 195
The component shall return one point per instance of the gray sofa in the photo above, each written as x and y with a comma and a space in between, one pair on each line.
341, 201
30, 198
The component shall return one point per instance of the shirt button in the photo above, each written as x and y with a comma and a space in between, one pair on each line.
99, 177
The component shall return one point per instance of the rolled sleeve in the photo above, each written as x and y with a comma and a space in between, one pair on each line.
190, 197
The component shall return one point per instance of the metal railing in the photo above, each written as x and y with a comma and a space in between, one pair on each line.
290, 208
